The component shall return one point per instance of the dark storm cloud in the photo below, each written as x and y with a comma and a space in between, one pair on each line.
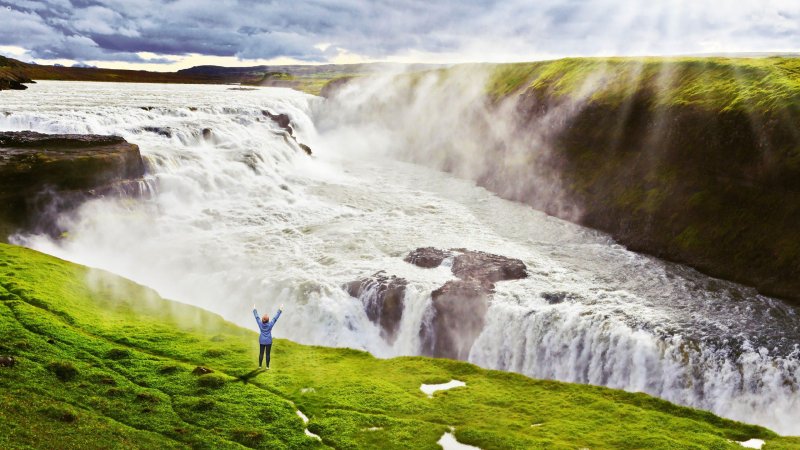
249, 29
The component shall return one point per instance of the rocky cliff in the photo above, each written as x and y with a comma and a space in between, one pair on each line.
42, 174
11, 75
695, 160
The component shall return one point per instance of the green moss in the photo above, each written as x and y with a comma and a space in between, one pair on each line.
65, 371
211, 380
150, 398
718, 84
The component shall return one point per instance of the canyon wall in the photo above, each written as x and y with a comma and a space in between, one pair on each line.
695, 160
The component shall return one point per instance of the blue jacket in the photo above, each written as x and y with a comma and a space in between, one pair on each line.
266, 328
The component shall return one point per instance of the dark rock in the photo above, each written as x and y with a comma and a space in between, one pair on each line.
200, 370
427, 257
207, 133
7, 361
459, 311
486, 267
13, 80
460, 306
469, 264
12, 85
383, 299
282, 120
305, 148
42, 175
163, 131
558, 297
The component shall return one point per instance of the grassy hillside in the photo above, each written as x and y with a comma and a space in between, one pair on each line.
105, 363
757, 85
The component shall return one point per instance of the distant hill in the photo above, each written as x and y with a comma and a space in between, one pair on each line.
12, 68
307, 78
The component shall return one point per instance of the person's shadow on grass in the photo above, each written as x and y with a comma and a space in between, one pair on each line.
250, 375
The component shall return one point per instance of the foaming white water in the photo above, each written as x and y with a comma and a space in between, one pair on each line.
242, 216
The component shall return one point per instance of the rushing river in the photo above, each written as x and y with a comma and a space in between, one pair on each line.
242, 216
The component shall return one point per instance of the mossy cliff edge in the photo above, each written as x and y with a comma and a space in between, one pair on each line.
695, 160
42, 175
91, 360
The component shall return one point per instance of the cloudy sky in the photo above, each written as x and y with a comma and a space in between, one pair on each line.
173, 34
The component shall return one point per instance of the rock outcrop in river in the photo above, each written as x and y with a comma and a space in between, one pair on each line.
383, 301
458, 307
42, 174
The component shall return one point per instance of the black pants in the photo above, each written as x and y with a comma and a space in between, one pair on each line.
268, 348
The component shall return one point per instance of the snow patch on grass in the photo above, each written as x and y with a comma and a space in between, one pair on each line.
448, 442
429, 389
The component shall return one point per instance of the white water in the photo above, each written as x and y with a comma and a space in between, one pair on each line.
245, 217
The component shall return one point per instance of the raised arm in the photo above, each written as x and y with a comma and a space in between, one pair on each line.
255, 314
275, 319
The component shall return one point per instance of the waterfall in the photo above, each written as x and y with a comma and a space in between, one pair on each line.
238, 214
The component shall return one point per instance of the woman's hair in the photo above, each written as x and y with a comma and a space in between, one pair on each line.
264, 318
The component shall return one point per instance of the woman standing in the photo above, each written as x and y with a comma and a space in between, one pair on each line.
265, 339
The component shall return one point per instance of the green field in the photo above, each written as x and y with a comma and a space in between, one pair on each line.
105, 363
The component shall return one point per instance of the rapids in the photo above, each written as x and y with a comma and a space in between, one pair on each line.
242, 216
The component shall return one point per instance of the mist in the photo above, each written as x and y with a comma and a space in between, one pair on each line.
242, 216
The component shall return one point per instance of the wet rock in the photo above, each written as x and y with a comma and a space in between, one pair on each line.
458, 316
555, 298
12, 80
383, 299
207, 132
12, 85
7, 361
486, 267
163, 131
285, 122
427, 257
282, 120
470, 265
200, 370
42, 175
459, 307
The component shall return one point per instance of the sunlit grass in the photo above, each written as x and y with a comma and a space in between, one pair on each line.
720, 84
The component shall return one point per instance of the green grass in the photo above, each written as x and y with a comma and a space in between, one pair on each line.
719, 84
106, 363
